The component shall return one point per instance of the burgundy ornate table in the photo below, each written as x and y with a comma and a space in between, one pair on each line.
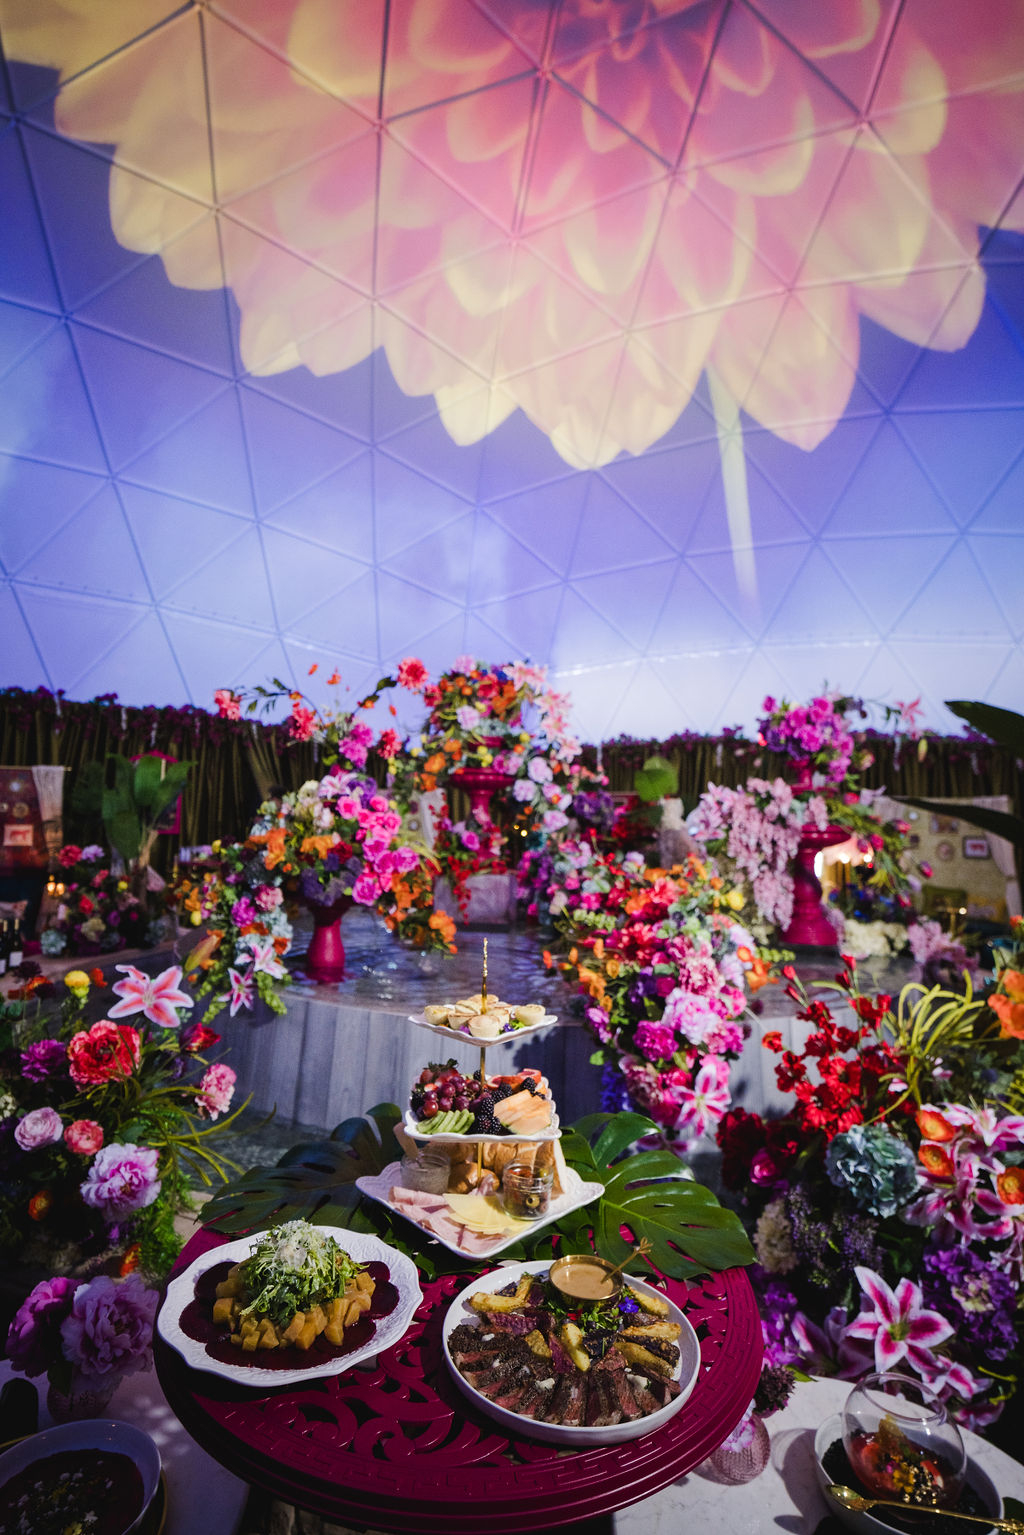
395, 1446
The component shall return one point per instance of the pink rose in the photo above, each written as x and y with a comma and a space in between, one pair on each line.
84, 1136
215, 1091
40, 1127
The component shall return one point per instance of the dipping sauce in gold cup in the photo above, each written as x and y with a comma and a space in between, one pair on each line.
585, 1279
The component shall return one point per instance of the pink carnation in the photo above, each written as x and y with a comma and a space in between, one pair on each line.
215, 1091
655, 1041
412, 674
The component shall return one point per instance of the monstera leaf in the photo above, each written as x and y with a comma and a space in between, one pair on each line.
649, 1193
1006, 728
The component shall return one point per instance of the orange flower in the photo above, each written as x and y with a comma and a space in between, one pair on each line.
40, 1204
313, 668
1010, 1015
334, 679
757, 976
434, 763
96, 977
1012, 982
546, 957
275, 847
935, 1161
1010, 1186
934, 1126
599, 948
130, 1261
321, 845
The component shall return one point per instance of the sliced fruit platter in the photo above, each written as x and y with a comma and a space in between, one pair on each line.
448, 1104
484, 1017
566, 1371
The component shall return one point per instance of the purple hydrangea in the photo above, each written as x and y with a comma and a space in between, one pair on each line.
978, 1299
46, 1058
109, 1328
121, 1181
33, 1339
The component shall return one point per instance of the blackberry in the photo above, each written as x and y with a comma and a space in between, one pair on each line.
484, 1123
499, 1094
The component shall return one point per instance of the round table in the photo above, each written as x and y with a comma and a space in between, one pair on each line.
394, 1445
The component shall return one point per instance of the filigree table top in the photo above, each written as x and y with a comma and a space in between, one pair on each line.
396, 1446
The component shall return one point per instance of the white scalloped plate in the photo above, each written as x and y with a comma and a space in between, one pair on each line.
508, 1038
575, 1194
362, 1246
552, 1133
557, 1433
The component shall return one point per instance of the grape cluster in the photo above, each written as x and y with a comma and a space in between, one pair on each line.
442, 1087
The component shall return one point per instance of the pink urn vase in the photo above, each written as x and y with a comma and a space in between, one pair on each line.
325, 958
809, 926
480, 784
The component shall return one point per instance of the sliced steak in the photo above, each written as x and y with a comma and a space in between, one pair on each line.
575, 1404
519, 1322
559, 1398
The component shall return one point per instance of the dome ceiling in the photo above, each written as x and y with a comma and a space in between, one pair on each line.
677, 345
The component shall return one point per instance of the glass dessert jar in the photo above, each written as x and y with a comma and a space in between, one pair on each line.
427, 1172
901, 1443
526, 1190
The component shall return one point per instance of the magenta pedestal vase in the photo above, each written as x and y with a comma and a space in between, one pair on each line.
325, 958
809, 926
480, 784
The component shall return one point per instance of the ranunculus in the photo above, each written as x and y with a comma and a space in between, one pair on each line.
198, 1038
104, 1051
122, 1180
109, 1329
84, 1136
38, 1128
215, 1091
33, 1338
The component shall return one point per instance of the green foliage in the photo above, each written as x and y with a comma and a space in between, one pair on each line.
1006, 728
651, 1193
657, 779
132, 805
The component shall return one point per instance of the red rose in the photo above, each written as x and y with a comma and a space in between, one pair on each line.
104, 1051
86, 906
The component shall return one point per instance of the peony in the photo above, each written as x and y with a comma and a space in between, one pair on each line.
106, 1050
122, 1180
84, 1136
33, 1338
109, 1329
38, 1128
215, 1091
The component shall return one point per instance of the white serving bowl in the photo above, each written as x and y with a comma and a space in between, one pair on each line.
871, 1524
90, 1434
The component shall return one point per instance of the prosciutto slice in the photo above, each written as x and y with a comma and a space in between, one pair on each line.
432, 1212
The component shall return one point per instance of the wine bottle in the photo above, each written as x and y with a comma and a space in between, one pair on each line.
17, 953
4, 947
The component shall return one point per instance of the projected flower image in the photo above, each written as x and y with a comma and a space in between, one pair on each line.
576, 210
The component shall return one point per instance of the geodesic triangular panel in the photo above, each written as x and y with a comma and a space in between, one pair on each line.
678, 346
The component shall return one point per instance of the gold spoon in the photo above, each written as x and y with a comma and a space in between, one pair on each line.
858, 1504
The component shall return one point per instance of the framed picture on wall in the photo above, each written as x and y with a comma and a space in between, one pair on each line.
976, 847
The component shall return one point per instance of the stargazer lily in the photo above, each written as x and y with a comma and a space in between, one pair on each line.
899, 1325
156, 998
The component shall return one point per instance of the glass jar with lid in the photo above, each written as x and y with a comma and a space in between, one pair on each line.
428, 1171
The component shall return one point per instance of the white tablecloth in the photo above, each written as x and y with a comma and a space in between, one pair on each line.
202, 1498
786, 1496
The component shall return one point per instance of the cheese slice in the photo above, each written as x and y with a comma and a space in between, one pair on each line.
484, 1214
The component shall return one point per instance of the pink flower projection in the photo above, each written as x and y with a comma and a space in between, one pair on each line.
573, 209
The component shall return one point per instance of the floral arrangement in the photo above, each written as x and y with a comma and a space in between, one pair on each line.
103, 1124
886, 1205
97, 911
817, 736
85, 1335
753, 833
665, 968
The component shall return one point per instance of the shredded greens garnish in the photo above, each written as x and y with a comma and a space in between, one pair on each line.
293, 1268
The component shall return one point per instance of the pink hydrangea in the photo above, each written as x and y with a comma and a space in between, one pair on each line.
109, 1329
215, 1091
39, 1128
122, 1180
